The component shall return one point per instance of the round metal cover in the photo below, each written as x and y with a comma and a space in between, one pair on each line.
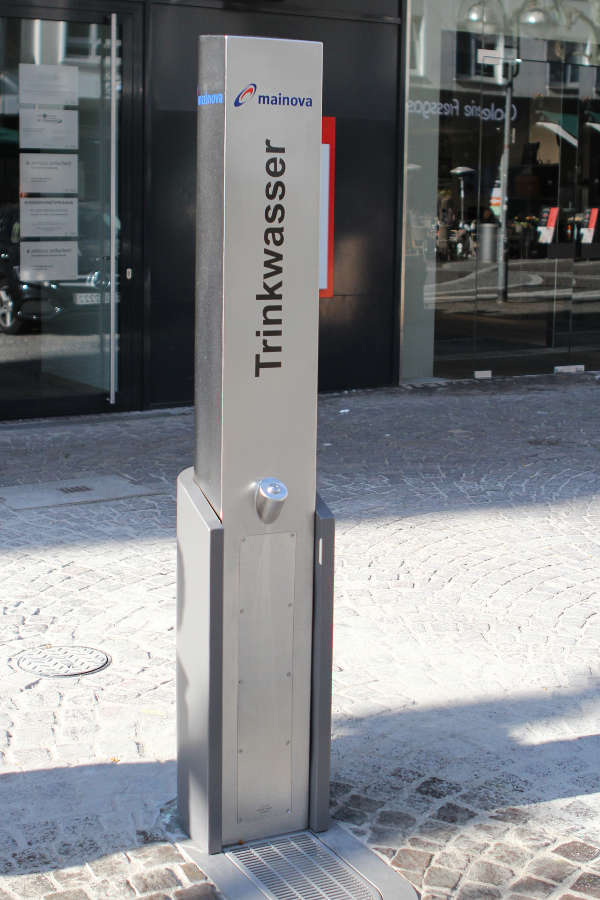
63, 662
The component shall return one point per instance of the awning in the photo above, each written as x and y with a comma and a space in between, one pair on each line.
564, 125
593, 121
9, 136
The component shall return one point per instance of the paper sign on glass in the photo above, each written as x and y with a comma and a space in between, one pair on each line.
48, 85
48, 217
49, 130
48, 260
48, 173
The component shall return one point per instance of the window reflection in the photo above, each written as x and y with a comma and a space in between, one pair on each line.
502, 266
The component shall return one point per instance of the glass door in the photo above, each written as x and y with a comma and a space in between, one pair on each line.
59, 225
535, 237
585, 311
524, 245
518, 237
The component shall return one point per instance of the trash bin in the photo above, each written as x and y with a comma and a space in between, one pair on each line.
488, 242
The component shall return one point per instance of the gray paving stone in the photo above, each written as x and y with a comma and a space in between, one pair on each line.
490, 873
552, 868
155, 854
339, 788
437, 787
359, 801
155, 880
411, 859
192, 872
588, 883
474, 891
439, 832
423, 844
578, 851
533, 887
387, 852
197, 892
157, 895
511, 814
347, 814
71, 894
450, 812
415, 878
462, 654
30, 885
112, 865
74, 876
116, 888
440, 877
512, 855
389, 818
574, 897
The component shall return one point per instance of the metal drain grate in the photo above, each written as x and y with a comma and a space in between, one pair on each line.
63, 662
84, 487
300, 867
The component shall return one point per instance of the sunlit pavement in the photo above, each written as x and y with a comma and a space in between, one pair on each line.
465, 740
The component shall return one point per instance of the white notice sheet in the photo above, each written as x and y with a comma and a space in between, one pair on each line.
48, 173
49, 217
48, 260
49, 129
48, 85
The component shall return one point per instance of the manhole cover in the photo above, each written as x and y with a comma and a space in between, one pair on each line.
63, 662
300, 867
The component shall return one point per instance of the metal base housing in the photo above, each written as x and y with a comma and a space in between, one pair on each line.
201, 697
337, 866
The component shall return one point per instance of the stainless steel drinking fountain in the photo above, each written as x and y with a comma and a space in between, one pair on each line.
255, 543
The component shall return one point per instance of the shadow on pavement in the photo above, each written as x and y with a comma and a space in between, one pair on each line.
452, 764
67, 816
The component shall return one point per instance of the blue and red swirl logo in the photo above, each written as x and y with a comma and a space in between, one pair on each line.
246, 94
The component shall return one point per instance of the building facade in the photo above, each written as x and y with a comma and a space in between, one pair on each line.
458, 240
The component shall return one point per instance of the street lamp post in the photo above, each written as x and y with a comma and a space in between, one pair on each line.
461, 172
504, 166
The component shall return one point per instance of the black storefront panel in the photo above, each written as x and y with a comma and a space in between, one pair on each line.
360, 74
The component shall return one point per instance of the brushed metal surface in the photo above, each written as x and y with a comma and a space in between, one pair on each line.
236, 884
300, 867
199, 663
271, 494
322, 659
208, 361
257, 419
266, 624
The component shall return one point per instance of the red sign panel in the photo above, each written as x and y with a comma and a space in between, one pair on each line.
327, 206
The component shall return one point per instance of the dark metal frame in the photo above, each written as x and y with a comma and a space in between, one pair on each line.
130, 197
402, 94
296, 8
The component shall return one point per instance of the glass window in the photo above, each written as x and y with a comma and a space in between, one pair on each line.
502, 239
55, 210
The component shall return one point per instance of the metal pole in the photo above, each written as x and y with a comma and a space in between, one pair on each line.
113, 209
502, 235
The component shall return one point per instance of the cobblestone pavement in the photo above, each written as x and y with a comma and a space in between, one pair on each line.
465, 745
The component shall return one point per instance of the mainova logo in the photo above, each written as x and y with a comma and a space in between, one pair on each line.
246, 94
275, 98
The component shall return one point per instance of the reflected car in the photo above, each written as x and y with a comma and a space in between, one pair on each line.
24, 303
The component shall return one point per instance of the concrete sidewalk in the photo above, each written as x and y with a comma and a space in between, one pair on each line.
465, 745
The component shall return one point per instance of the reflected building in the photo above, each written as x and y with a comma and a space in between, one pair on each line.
509, 93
